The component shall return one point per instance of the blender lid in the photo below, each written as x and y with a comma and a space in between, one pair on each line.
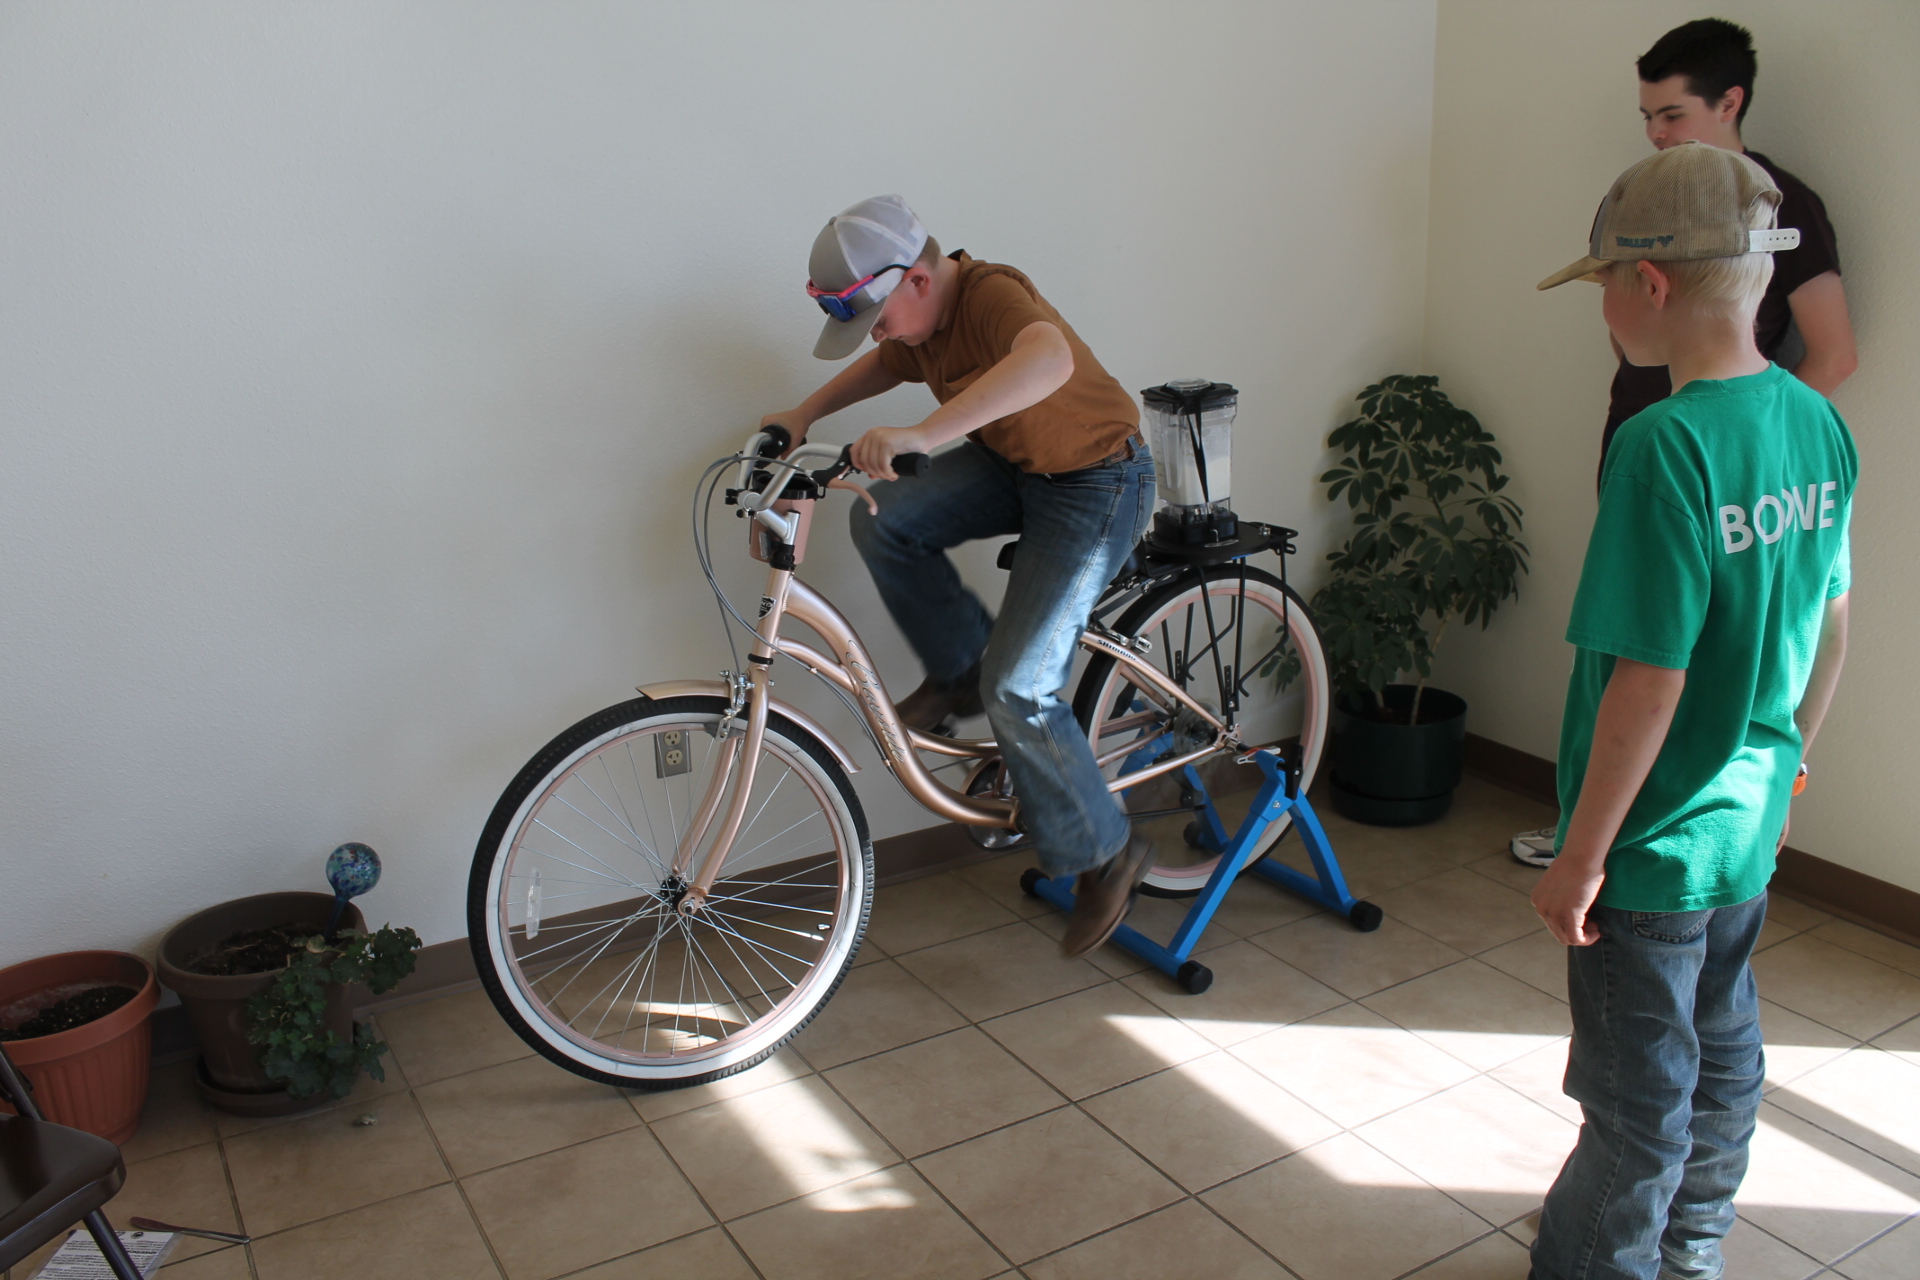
1190, 395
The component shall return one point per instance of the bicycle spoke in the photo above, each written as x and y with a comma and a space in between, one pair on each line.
547, 879
762, 902
743, 965
648, 978
621, 978
776, 835
619, 815
782, 880
641, 790
748, 826
648, 853
760, 946
762, 924
706, 990
639, 845
757, 884
620, 923
539, 853
626, 1024
541, 823
585, 965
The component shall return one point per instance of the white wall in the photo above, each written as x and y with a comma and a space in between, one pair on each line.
356, 360
1535, 112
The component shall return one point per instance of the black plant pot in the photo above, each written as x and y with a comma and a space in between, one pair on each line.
1397, 775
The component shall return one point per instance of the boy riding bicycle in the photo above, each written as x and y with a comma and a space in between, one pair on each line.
1052, 454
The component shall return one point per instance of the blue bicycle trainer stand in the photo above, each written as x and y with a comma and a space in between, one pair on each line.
1279, 795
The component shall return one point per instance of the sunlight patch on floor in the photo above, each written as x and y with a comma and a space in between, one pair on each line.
815, 1148
1788, 1171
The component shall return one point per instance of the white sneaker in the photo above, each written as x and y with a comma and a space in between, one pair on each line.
1535, 848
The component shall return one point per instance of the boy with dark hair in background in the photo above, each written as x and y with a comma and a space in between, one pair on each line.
1696, 84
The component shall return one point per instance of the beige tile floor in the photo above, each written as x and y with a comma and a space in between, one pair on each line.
1339, 1107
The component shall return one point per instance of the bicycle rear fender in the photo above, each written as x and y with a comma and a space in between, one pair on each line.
717, 689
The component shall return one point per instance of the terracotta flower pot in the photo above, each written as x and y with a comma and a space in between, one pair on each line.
230, 1075
93, 1077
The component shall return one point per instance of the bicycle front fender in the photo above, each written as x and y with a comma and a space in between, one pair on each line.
718, 689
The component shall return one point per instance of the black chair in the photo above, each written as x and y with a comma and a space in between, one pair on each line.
52, 1177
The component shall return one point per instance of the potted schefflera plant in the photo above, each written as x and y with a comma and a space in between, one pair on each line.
1435, 541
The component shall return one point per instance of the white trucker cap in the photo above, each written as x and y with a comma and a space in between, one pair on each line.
1688, 202
861, 244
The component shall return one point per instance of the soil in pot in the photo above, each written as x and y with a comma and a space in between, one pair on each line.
1387, 772
252, 950
61, 1009
230, 1075
91, 1074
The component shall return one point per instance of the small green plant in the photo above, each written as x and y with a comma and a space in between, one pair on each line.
1434, 538
289, 1018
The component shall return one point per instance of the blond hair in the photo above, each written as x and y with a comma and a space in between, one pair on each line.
929, 252
1726, 286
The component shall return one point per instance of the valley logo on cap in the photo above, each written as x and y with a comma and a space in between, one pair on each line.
859, 257
1688, 202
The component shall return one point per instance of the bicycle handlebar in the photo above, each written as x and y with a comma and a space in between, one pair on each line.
761, 461
773, 440
904, 464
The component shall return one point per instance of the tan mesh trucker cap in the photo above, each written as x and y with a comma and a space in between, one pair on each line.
1688, 202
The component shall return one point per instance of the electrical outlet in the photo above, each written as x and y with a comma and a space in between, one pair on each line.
671, 754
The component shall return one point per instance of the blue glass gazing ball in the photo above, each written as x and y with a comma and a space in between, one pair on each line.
352, 869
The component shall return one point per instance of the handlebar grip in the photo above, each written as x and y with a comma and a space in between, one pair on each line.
911, 464
779, 440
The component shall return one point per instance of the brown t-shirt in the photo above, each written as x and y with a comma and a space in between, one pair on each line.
1086, 420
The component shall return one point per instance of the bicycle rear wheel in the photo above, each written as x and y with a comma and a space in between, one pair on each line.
1194, 624
574, 911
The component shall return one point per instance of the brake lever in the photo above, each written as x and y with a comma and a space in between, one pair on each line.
873, 508
826, 477
834, 477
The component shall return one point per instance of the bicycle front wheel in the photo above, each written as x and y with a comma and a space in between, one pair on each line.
574, 909
1223, 628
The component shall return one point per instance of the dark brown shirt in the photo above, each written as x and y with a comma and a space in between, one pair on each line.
1637, 386
1086, 420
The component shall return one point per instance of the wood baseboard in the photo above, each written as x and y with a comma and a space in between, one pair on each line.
446, 968
1512, 768
1852, 895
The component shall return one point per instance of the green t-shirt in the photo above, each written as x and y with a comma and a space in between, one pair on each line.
1721, 534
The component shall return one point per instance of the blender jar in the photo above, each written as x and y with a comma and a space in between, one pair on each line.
1190, 425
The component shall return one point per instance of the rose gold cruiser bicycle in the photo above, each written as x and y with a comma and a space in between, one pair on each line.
673, 887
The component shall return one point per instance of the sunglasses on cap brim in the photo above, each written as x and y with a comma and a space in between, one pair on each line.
840, 305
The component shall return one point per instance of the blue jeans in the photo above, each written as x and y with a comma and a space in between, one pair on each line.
1667, 1066
1077, 529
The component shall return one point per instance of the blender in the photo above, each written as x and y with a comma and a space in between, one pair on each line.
1190, 425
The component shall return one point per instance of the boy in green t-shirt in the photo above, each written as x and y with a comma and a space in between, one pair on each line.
1710, 626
